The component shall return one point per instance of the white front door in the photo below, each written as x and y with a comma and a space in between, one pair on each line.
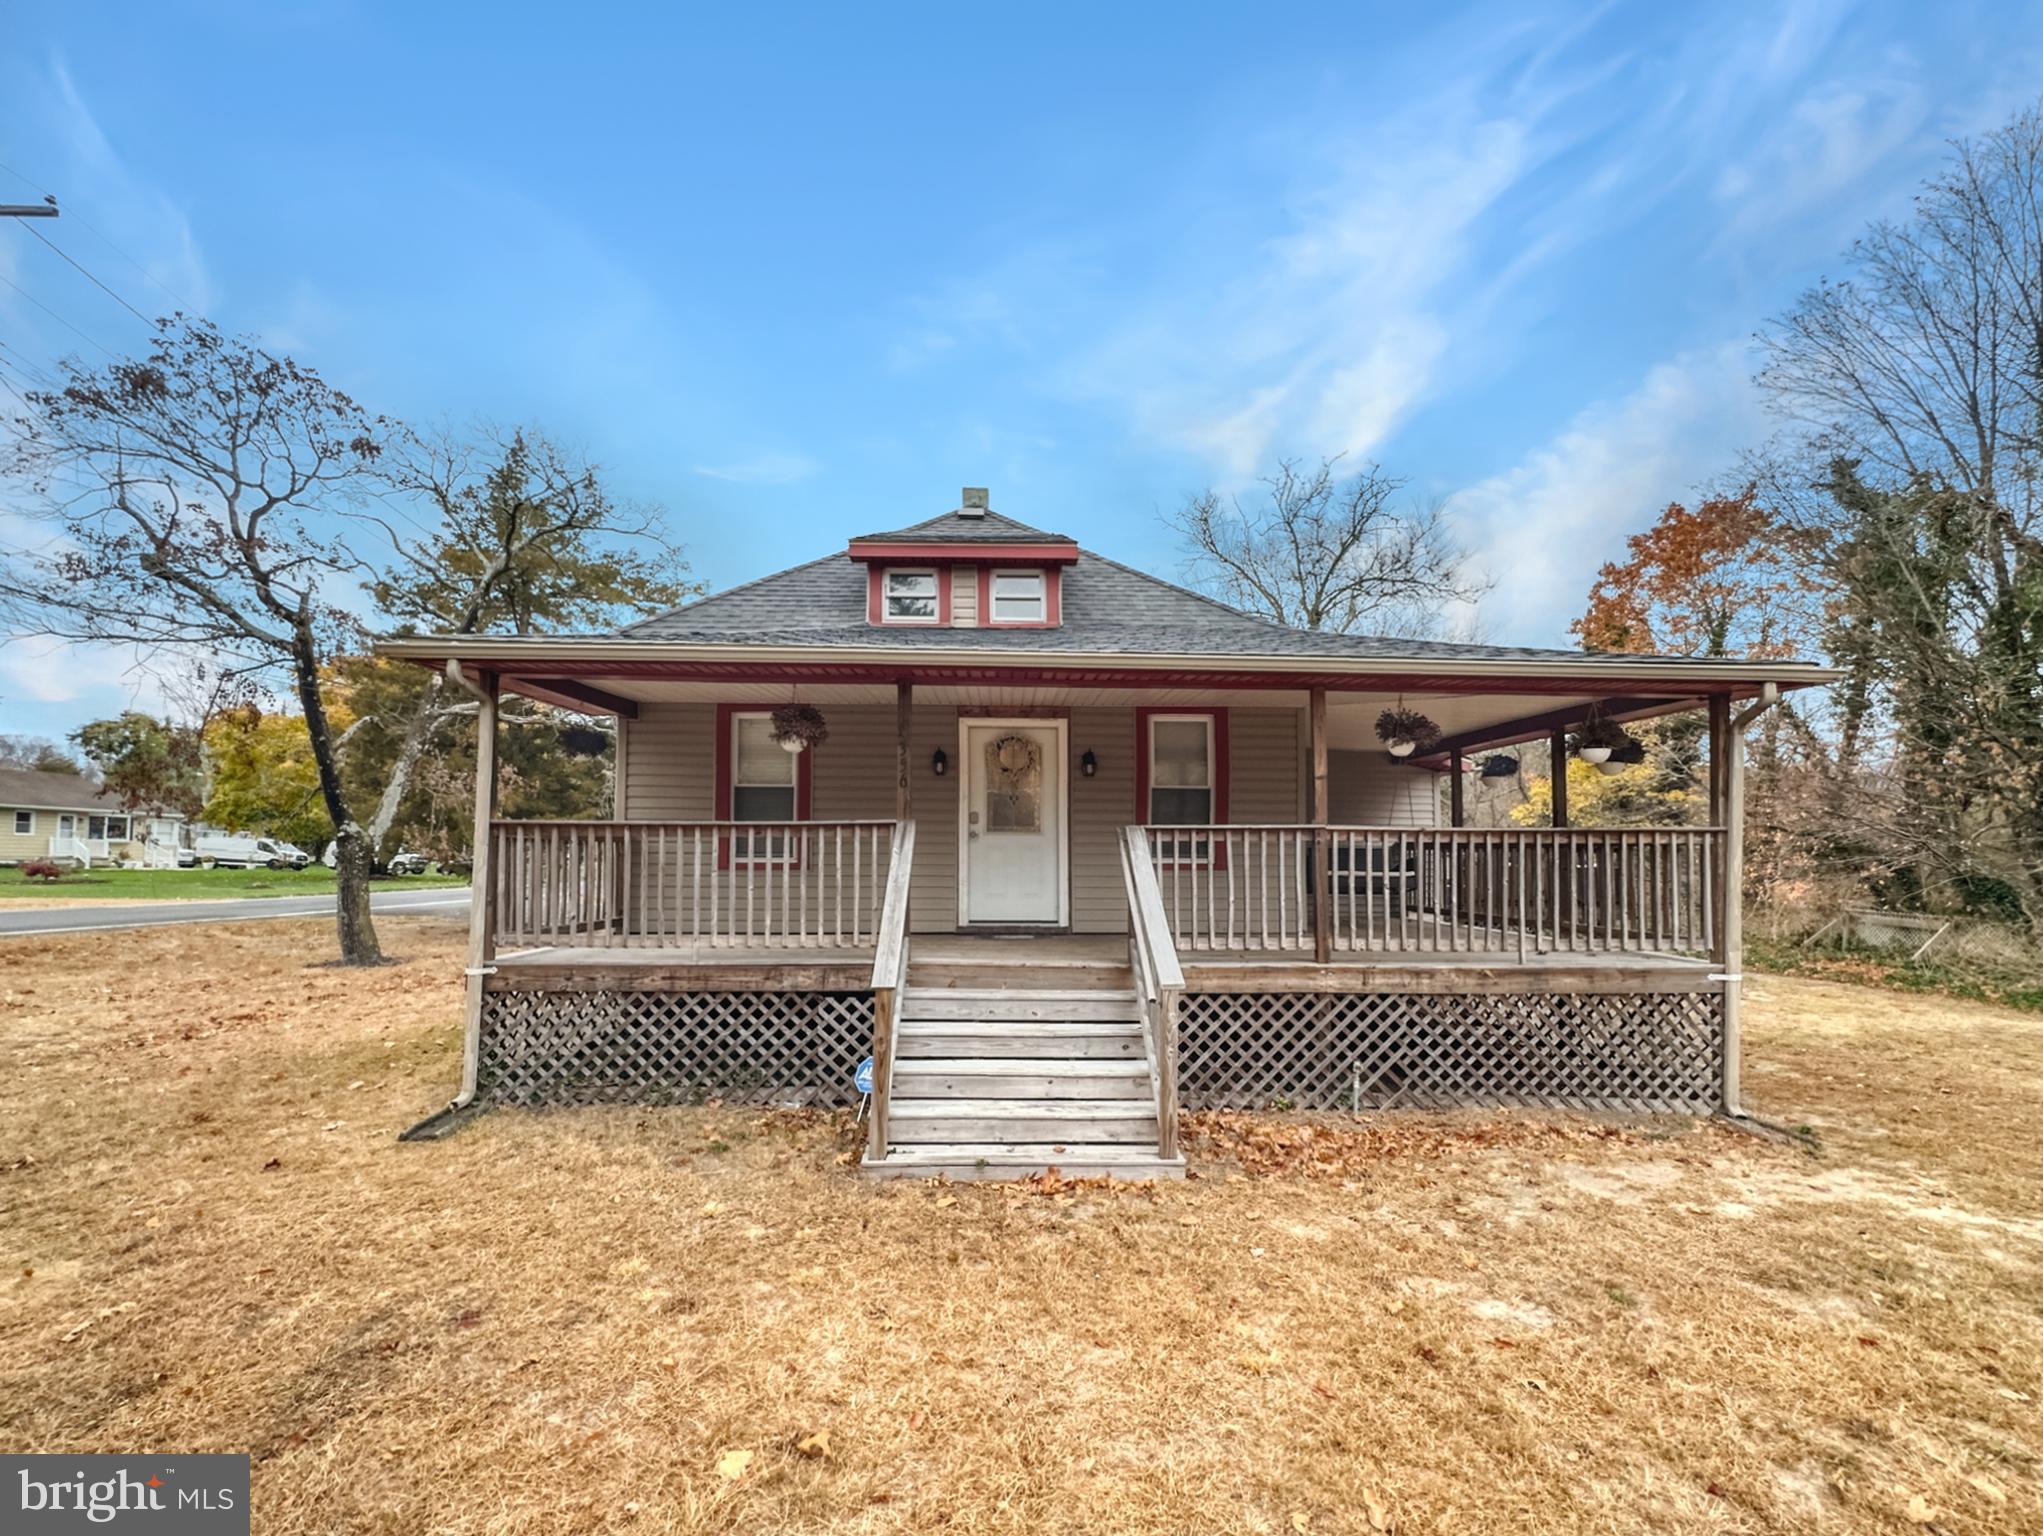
1012, 841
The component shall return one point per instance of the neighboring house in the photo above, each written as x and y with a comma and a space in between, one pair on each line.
1080, 846
67, 817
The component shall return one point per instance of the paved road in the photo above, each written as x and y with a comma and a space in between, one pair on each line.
443, 902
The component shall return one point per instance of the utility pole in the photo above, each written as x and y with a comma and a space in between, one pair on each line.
46, 209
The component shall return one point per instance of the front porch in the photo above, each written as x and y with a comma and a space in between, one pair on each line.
1312, 966
1062, 1010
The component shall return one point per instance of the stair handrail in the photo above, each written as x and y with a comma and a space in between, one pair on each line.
890, 970
1159, 980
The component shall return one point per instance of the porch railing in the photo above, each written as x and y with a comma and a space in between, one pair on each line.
645, 884
1529, 891
1159, 982
890, 974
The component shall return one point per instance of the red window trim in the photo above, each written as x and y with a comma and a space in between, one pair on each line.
1143, 714
933, 554
876, 596
1053, 601
804, 784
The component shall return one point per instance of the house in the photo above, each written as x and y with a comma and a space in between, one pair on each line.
1081, 847
67, 817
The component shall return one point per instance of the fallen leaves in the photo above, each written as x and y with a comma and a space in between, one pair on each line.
1379, 1516
733, 1465
816, 1447
1343, 1146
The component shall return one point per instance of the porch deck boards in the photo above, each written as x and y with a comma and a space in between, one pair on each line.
690, 966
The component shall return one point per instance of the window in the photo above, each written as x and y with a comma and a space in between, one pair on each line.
1017, 597
910, 597
1181, 770
107, 829
24, 823
762, 784
1181, 778
1014, 785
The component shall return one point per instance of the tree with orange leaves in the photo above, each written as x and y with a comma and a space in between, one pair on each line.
1725, 578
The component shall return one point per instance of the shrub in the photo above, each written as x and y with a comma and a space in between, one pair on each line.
42, 869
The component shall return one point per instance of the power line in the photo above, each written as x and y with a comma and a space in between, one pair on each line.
102, 287
66, 324
104, 239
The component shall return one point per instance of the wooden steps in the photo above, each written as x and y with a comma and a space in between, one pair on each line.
1004, 1070
1044, 1040
1019, 1077
940, 1120
1017, 1160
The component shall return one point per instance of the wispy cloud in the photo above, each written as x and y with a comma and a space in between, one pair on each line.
763, 469
1545, 525
40, 669
135, 223
1327, 335
1825, 145
1334, 272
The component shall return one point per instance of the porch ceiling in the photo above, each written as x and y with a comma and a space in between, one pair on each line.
1351, 716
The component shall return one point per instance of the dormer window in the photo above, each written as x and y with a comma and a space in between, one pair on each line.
910, 597
1018, 597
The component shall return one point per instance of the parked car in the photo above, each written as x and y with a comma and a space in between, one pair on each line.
187, 858
407, 863
295, 856
236, 851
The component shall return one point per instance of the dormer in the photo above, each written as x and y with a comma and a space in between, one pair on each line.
969, 568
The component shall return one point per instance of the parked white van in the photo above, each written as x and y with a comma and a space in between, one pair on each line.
230, 851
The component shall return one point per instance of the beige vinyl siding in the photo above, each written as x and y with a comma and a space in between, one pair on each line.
671, 764
671, 751
1364, 789
1265, 764
1100, 807
965, 596
672, 754
32, 845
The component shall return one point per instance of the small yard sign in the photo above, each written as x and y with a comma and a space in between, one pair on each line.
864, 1079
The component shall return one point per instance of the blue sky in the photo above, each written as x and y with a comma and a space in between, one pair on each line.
795, 276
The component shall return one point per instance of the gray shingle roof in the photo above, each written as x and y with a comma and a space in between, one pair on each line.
1107, 608
28, 789
956, 528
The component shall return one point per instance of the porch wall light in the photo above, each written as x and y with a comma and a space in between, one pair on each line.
939, 762
1088, 764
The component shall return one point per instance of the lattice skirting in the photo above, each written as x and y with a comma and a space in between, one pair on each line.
1656, 1051
673, 1047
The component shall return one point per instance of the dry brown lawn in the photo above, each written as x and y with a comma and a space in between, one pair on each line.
699, 1320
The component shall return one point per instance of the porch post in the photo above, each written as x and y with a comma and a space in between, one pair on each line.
1720, 738
1558, 774
1731, 892
1564, 883
482, 907
1457, 808
904, 715
1322, 842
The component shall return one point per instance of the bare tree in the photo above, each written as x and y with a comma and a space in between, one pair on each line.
1323, 551
522, 536
199, 499
1917, 386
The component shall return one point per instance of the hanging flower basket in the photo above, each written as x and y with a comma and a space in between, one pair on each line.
1499, 765
798, 727
1598, 737
1405, 731
1630, 755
